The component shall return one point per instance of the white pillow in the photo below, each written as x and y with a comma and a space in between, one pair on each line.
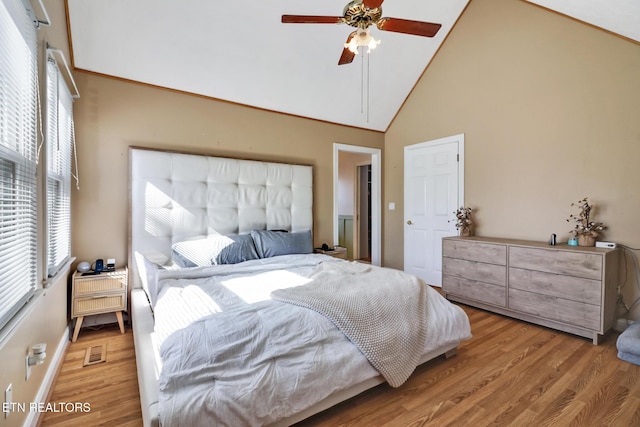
193, 253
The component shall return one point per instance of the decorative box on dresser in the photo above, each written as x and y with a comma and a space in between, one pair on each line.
97, 294
569, 288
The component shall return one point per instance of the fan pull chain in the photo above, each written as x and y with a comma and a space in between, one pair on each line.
361, 82
368, 88
365, 82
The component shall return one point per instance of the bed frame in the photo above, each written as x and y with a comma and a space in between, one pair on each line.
177, 196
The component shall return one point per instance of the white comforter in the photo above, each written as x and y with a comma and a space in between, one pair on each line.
382, 311
232, 356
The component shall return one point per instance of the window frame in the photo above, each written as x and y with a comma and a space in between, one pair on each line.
19, 212
59, 146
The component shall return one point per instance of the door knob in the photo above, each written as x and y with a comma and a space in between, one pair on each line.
409, 222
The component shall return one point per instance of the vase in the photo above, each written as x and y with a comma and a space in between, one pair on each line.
586, 240
465, 231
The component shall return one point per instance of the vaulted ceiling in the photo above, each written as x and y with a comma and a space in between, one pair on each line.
241, 52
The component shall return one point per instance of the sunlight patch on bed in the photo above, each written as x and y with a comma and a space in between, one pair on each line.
189, 304
258, 287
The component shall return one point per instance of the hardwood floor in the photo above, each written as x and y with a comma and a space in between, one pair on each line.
110, 388
510, 373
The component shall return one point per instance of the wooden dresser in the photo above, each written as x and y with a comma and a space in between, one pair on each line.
569, 288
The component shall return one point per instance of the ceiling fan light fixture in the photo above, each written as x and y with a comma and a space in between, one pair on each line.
361, 14
364, 39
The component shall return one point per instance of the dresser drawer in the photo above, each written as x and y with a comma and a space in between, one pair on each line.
489, 273
569, 287
554, 308
569, 263
97, 305
475, 251
106, 283
475, 290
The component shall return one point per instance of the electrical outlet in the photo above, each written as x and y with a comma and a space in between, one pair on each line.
8, 400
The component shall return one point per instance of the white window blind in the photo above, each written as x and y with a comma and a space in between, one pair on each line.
18, 141
59, 145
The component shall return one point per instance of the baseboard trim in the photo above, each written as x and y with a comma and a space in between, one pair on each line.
45, 388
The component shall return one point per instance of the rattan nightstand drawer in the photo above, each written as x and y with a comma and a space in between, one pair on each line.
100, 284
98, 305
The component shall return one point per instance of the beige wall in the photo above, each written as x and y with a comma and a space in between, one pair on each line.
112, 115
550, 110
45, 321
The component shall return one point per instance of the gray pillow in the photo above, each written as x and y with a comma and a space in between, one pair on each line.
214, 250
241, 249
273, 243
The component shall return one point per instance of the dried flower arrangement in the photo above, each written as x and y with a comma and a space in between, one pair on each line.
463, 220
584, 226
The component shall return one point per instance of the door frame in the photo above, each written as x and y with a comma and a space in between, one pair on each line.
357, 207
376, 196
459, 138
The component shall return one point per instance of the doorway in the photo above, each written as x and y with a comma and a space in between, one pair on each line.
362, 251
374, 160
433, 190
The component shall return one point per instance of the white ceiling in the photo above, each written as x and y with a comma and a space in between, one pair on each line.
241, 52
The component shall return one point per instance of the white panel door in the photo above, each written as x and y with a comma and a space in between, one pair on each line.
432, 192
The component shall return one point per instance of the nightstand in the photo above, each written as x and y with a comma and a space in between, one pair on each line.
97, 294
337, 252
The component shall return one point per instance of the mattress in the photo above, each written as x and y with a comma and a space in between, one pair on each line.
230, 355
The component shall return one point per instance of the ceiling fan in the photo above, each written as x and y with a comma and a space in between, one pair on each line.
362, 14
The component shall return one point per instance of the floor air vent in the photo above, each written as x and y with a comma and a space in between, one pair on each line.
95, 354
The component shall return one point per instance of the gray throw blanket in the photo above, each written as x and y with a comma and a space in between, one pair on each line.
381, 310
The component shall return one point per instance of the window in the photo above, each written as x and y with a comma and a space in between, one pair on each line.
18, 140
59, 143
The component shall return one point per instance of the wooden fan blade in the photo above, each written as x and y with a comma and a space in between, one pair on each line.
372, 4
406, 26
310, 19
347, 56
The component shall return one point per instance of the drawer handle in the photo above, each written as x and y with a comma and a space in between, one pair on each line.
409, 222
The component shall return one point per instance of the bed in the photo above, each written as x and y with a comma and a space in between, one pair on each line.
236, 322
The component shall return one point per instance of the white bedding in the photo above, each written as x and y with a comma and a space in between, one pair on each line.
232, 356
386, 322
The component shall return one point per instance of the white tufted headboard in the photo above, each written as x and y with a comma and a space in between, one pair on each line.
176, 197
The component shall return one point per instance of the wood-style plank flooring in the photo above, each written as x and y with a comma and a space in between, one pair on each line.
510, 373
110, 388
